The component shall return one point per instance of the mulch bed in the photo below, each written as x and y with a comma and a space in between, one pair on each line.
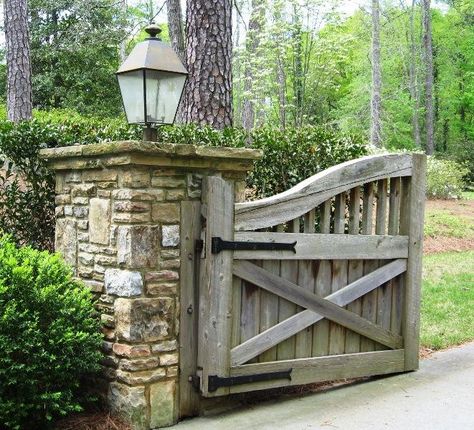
91, 421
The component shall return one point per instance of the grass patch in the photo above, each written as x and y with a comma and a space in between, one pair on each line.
468, 195
447, 307
442, 223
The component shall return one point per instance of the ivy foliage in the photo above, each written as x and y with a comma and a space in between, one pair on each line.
49, 335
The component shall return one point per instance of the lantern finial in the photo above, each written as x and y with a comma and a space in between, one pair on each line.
153, 30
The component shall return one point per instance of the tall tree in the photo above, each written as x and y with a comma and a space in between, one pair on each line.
413, 79
175, 27
208, 96
19, 91
429, 76
254, 35
376, 96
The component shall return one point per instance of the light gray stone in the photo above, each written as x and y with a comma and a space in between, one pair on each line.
163, 404
128, 403
144, 320
123, 283
99, 221
66, 240
137, 246
170, 235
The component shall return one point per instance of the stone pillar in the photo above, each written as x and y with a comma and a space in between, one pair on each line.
118, 209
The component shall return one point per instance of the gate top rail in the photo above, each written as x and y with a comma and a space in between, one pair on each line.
318, 188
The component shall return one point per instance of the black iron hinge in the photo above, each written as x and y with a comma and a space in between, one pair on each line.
219, 245
215, 382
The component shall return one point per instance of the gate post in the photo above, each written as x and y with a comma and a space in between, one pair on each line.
126, 220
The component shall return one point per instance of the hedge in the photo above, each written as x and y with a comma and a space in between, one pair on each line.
27, 190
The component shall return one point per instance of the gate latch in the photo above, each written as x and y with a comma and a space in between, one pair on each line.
219, 245
215, 382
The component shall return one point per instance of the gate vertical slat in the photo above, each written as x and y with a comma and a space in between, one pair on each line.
370, 300
323, 287
289, 271
356, 268
339, 276
384, 293
393, 229
411, 224
304, 339
215, 289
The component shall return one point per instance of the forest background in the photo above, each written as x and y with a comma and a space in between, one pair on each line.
294, 62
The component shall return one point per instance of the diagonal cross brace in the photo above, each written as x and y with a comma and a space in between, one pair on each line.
276, 334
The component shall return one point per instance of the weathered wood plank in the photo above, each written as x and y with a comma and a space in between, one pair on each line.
285, 329
393, 229
304, 339
384, 293
323, 286
411, 223
269, 310
236, 310
320, 187
319, 369
292, 292
289, 271
337, 333
188, 344
325, 246
355, 269
215, 287
369, 302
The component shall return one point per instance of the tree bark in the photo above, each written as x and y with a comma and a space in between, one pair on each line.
297, 66
413, 80
376, 102
254, 34
19, 92
175, 26
208, 98
429, 76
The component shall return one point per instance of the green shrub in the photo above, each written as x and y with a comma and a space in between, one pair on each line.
27, 193
49, 337
289, 156
445, 179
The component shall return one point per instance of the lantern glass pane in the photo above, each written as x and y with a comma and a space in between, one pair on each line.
131, 87
163, 92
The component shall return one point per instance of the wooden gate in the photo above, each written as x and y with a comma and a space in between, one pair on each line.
318, 283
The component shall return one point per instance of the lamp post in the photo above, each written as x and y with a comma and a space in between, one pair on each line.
151, 81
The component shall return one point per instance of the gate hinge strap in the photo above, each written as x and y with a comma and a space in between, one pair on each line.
215, 382
219, 245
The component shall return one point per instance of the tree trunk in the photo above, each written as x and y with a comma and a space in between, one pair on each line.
252, 44
429, 76
208, 98
414, 81
297, 66
375, 105
19, 92
123, 43
175, 26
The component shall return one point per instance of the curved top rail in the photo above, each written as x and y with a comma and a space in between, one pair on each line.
318, 188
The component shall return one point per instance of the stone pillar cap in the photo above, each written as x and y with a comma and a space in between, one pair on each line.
123, 153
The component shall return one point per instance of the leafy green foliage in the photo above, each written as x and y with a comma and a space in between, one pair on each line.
445, 179
289, 156
27, 191
49, 335
27, 185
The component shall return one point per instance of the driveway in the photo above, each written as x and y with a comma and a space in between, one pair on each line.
437, 397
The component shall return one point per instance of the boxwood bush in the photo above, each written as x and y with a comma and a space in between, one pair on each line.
49, 337
27, 191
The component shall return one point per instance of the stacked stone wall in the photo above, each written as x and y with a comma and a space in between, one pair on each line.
118, 226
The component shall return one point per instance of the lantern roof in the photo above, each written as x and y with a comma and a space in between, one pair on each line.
153, 54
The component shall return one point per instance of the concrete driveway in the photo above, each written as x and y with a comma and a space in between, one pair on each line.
439, 396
